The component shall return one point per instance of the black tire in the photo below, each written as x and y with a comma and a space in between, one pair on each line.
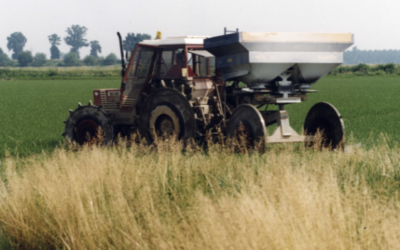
326, 118
83, 123
253, 126
168, 106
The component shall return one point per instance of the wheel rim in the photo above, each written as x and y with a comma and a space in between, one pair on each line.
164, 122
176, 106
86, 131
84, 124
164, 126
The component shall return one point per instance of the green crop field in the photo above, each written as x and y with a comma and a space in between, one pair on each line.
32, 111
369, 106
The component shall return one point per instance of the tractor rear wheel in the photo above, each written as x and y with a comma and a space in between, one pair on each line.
246, 123
84, 123
166, 112
324, 117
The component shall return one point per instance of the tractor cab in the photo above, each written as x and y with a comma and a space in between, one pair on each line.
183, 61
172, 62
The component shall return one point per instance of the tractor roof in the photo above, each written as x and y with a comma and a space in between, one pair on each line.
178, 40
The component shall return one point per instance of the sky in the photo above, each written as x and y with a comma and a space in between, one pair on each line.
375, 24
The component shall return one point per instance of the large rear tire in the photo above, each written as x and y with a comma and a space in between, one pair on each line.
167, 112
83, 124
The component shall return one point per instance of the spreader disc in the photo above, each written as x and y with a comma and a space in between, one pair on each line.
324, 117
248, 122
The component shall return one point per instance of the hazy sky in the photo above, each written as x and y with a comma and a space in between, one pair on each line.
376, 24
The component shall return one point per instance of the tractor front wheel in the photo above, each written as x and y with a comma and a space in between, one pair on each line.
88, 124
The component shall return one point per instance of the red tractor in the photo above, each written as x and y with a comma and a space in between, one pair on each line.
189, 86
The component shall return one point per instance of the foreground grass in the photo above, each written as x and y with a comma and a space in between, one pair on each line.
161, 198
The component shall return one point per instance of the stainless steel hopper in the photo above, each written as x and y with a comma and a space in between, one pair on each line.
282, 62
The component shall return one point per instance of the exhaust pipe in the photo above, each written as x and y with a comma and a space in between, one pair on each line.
123, 71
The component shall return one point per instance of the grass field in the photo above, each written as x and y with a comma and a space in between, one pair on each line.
53, 73
33, 110
160, 198
369, 106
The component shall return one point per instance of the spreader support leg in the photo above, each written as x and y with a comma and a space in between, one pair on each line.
284, 132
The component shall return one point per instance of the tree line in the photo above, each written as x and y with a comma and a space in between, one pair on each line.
75, 38
356, 56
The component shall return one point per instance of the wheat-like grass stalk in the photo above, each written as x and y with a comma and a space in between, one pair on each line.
161, 197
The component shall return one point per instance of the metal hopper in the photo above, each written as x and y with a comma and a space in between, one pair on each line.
283, 62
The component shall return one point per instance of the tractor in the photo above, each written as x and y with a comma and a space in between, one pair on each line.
193, 86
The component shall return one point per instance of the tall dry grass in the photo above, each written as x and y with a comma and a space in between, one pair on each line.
160, 198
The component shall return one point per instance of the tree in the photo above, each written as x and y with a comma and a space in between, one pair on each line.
39, 60
131, 40
24, 58
95, 47
54, 52
16, 43
357, 56
75, 38
111, 59
71, 59
4, 59
90, 60
54, 41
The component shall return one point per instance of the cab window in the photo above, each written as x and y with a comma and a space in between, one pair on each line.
202, 63
138, 74
141, 64
170, 63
